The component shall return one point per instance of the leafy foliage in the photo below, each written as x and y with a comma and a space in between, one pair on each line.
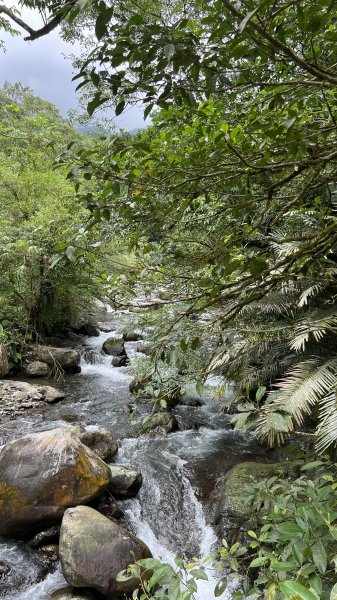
291, 555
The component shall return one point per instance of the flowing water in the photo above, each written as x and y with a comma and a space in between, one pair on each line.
181, 471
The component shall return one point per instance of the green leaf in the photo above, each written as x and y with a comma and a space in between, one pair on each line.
319, 556
260, 393
289, 529
294, 591
247, 18
312, 465
220, 587
71, 254
259, 561
97, 101
119, 108
169, 50
333, 593
284, 566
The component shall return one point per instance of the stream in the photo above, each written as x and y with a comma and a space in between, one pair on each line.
182, 471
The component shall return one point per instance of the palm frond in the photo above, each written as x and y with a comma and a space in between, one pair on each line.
326, 431
316, 324
305, 385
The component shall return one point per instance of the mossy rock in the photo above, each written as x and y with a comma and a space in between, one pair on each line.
233, 513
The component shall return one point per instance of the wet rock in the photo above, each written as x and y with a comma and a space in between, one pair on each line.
106, 328
100, 441
125, 482
45, 537
114, 347
71, 594
19, 394
66, 359
91, 329
136, 385
144, 349
4, 364
49, 552
111, 512
163, 420
132, 336
93, 550
233, 512
37, 369
120, 361
43, 474
19, 568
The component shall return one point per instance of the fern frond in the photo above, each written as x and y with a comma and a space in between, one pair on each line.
316, 325
306, 384
326, 431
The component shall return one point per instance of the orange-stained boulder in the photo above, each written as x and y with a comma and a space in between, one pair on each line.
43, 474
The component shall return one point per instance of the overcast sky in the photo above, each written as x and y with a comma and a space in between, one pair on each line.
43, 66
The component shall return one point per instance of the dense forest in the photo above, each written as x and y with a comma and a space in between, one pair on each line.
215, 225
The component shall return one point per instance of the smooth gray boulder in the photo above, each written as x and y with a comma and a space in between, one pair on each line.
93, 550
65, 358
37, 369
100, 441
125, 482
43, 474
114, 347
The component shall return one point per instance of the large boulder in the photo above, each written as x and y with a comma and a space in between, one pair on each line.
125, 482
100, 441
43, 474
114, 347
233, 514
65, 358
71, 594
4, 364
37, 368
93, 550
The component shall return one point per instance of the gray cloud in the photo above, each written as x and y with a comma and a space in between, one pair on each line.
44, 67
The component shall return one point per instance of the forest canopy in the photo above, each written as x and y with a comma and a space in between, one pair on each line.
227, 202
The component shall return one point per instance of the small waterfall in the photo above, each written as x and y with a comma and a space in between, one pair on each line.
167, 514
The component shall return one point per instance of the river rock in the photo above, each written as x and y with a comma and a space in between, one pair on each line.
100, 441
163, 420
132, 336
19, 394
125, 482
136, 385
45, 537
93, 550
106, 327
71, 594
37, 369
233, 512
120, 361
49, 552
4, 364
114, 347
64, 358
43, 474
